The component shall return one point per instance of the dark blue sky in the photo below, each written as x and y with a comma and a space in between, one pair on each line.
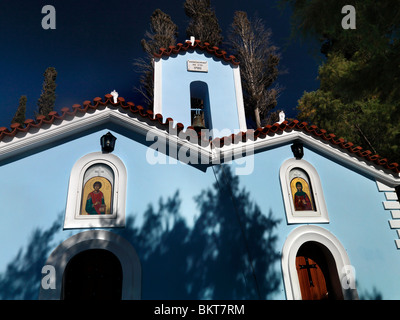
95, 43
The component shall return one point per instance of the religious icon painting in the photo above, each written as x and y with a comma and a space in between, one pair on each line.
97, 191
96, 196
301, 191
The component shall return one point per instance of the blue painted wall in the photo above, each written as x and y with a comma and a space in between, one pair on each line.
199, 249
176, 80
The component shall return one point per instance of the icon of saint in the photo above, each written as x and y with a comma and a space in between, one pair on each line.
301, 199
95, 200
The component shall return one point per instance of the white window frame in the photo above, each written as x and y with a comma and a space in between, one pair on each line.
73, 219
320, 215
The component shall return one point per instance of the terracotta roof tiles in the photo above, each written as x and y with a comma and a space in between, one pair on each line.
181, 48
158, 121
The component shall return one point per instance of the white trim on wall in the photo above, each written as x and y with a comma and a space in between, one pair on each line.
320, 214
295, 240
47, 135
96, 239
391, 204
157, 103
239, 98
73, 219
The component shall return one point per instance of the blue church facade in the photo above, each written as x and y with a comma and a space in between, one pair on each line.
188, 217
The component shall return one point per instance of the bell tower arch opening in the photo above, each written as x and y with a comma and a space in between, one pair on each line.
200, 109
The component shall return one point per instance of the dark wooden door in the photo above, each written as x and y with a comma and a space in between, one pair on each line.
94, 274
312, 280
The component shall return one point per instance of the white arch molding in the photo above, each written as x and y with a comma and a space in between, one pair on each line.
295, 240
73, 219
320, 214
96, 239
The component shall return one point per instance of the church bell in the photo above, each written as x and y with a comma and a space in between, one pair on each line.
198, 122
197, 108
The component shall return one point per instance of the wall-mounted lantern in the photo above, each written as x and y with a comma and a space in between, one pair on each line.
107, 142
297, 149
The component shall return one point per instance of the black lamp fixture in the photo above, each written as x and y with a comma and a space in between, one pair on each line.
107, 142
297, 149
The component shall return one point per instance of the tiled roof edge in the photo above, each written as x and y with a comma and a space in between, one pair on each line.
183, 47
159, 122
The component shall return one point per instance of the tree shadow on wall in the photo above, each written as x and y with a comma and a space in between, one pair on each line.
22, 277
229, 253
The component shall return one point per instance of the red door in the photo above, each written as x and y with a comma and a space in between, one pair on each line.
311, 278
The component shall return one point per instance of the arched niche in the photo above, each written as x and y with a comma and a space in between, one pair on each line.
90, 240
103, 169
334, 252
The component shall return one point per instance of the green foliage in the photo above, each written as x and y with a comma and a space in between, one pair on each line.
377, 24
47, 99
359, 94
362, 122
19, 116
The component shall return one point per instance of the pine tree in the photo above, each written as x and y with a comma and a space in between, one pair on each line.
259, 60
203, 24
19, 116
359, 92
47, 99
163, 33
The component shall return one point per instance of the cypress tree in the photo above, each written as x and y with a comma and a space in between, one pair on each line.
203, 24
163, 33
19, 116
47, 99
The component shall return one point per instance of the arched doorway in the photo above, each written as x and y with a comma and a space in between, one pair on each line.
94, 274
92, 240
317, 272
320, 247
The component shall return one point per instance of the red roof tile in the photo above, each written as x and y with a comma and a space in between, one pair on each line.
174, 50
147, 116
